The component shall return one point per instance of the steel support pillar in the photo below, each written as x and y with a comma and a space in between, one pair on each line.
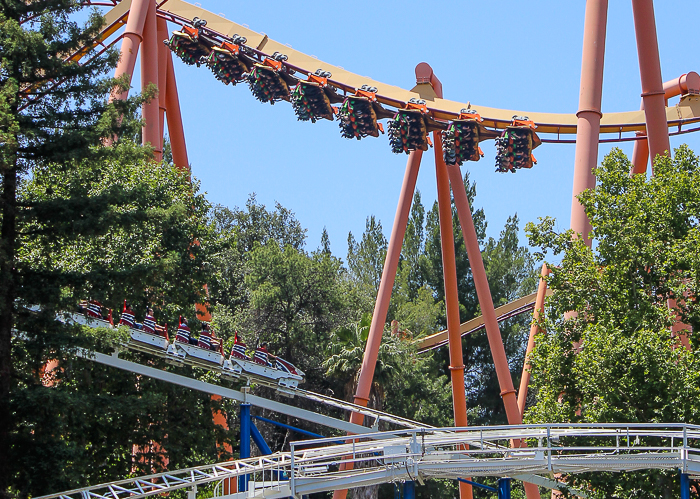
685, 486
409, 490
504, 488
534, 330
245, 443
688, 83
163, 52
589, 113
131, 40
386, 285
449, 271
175, 129
650, 73
483, 292
149, 75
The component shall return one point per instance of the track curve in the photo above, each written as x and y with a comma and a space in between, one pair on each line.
685, 113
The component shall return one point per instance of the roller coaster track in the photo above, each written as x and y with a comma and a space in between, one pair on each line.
680, 117
423, 454
504, 312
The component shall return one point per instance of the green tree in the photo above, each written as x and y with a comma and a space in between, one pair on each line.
366, 258
238, 232
52, 110
615, 359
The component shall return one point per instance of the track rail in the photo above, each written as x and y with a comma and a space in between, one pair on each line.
220, 29
314, 466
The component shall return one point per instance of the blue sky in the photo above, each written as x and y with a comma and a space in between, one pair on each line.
509, 54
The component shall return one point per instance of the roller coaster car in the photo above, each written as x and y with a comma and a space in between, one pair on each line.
461, 139
204, 357
149, 342
227, 62
514, 147
312, 99
189, 44
264, 365
408, 130
359, 114
90, 314
269, 82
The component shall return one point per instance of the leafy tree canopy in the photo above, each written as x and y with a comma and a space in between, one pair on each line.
615, 359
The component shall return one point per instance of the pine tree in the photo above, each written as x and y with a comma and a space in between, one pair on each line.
81, 219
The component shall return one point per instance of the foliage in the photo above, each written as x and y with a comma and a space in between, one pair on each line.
614, 359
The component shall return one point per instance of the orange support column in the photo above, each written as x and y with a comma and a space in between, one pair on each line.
130, 42
374, 339
381, 307
163, 53
688, 83
172, 111
449, 269
650, 72
589, 113
534, 330
493, 332
149, 75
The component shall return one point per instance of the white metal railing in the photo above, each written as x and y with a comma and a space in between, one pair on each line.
418, 454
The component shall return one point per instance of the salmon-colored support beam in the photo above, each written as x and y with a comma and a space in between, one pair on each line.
589, 113
688, 83
175, 129
653, 94
483, 292
534, 330
149, 75
130, 42
449, 270
424, 74
163, 52
381, 307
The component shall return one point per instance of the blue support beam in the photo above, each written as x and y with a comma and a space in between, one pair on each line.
504, 488
477, 484
409, 490
245, 443
259, 440
685, 486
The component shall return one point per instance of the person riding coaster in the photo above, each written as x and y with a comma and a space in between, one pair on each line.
183, 331
148, 335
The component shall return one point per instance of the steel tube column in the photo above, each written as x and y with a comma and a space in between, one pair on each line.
534, 330
449, 270
175, 129
133, 35
589, 113
650, 73
483, 292
245, 443
386, 285
163, 52
688, 83
149, 75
